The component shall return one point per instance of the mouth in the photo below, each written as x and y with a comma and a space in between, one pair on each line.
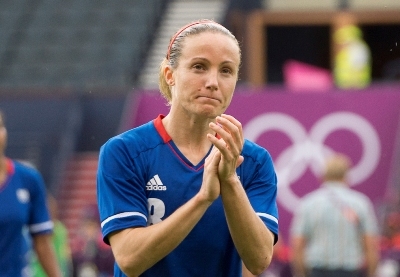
208, 98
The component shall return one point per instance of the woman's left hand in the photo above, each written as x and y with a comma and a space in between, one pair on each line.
230, 145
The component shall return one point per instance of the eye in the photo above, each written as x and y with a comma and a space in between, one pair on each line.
227, 70
199, 67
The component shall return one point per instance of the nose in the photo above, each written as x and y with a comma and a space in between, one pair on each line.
212, 80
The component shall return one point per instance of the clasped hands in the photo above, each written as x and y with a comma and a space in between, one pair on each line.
220, 166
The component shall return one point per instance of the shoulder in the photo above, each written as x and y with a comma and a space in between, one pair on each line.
28, 176
258, 161
135, 140
255, 152
311, 198
25, 168
359, 196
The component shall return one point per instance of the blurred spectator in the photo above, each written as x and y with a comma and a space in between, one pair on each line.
391, 232
24, 217
352, 67
93, 257
389, 265
334, 232
60, 241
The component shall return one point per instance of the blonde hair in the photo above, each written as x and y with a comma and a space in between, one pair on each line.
177, 43
336, 167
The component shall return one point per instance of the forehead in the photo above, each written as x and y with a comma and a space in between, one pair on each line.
211, 42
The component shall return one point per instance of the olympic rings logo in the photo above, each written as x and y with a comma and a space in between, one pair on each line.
309, 151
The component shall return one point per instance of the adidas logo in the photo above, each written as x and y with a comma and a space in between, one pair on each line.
155, 184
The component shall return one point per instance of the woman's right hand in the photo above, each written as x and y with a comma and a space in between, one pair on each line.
210, 188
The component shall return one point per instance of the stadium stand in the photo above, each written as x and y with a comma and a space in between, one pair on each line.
79, 44
42, 132
78, 188
177, 14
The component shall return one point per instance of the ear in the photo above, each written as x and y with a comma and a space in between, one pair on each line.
169, 76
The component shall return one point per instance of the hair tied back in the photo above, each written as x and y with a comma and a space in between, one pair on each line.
183, 29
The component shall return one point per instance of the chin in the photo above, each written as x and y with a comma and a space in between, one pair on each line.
208, 113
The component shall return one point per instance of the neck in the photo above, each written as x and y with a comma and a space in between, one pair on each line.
190, 136
339, 181
191, 131
3, 163
3, 169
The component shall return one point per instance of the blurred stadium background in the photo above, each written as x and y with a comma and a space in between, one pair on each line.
71, 70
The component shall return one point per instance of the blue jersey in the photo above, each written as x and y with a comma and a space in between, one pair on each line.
23, 211
143, 178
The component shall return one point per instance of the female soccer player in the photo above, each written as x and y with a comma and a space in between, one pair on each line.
23, 207
186, 194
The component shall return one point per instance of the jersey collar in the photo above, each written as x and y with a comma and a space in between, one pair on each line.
161, 129
10, 167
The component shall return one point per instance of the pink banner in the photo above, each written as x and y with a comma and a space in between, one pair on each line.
300, 129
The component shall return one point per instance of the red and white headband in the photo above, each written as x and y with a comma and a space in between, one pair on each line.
183, 29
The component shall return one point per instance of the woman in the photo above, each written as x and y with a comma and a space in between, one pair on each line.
186, 194
60, 242
23, 211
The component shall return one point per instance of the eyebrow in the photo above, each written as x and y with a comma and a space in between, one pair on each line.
206, 60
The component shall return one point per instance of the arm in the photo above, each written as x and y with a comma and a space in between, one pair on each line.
43, 245
298, 264
371, 251
137, 249
246, 272
252, 238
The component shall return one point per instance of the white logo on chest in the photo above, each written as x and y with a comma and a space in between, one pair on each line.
23, 195
155, 184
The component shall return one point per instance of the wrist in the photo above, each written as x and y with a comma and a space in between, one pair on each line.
202, 200
232, 180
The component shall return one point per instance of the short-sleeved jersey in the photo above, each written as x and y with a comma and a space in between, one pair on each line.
23, 211
332, 219
143, 178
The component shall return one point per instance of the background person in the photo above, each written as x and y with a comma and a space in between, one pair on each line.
334, 232
186, 194
60, 242
23, 206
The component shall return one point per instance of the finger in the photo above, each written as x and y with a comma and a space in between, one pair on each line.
234, 128
214, 150
228, 150
215, 159
236, 123
229, 132
239, 161
233, 120
219, 144
220, 130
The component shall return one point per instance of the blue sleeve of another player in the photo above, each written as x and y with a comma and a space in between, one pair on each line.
120, 194
39, 218
260, 182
